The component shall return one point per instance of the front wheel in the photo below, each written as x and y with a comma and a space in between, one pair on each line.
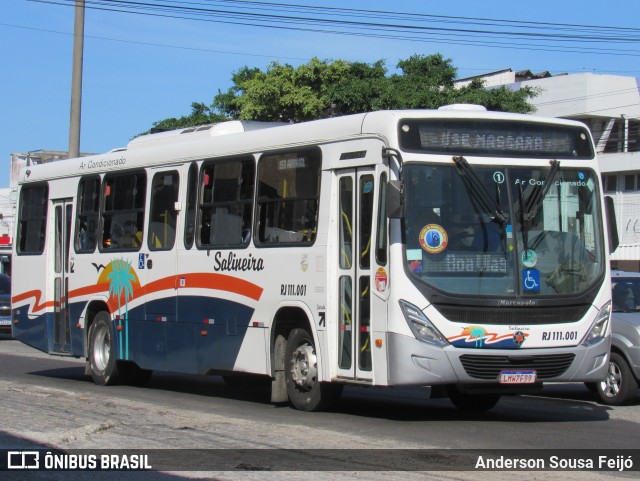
305, 392
471, 402
619, 387
102, 355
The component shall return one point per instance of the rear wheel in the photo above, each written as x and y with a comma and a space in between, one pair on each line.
301, 375
102, 356
471, 402
619, 387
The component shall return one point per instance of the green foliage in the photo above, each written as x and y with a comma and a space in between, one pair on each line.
322, 88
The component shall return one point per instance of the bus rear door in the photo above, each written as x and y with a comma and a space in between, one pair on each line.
62, 211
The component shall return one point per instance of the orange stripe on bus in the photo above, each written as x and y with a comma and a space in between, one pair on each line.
88, 290
222, 282
36, 294
219, 282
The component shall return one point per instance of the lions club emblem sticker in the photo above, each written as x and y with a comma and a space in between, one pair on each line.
433, 238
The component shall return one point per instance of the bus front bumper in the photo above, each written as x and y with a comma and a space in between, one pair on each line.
412, 362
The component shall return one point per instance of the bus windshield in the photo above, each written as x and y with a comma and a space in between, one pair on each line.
503, 233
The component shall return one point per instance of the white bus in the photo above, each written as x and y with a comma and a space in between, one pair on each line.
459, 249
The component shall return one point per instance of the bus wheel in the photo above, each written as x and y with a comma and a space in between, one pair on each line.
301, 375
471, 402
619, 387
102, 355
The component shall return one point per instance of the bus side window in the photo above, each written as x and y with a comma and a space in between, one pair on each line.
32, 219
381, 237
366, 192
123, 210
226, 202
192, 198
288, 193
162, 218
88, 214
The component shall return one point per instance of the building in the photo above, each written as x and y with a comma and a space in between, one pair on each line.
610, 106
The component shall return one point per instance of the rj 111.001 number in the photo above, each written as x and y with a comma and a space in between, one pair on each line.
560, 335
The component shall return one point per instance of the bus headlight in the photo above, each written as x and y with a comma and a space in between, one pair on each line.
599, 327
421, 326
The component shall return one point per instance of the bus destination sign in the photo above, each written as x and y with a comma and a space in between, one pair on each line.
494, 138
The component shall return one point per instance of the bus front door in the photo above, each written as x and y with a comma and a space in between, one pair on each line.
62, 213
355, 224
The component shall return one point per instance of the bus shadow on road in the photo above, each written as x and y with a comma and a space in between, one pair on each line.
413, 404
247, 388
557, 403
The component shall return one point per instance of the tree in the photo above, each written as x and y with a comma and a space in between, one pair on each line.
322, 88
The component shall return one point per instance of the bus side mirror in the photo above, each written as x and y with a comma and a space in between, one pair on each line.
612, 225
394, 199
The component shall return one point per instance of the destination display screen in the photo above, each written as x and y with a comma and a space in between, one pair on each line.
457, 263
494, 138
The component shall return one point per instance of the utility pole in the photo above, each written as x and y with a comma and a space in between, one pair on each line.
76, 81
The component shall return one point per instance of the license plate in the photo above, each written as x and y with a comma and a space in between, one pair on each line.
517, 377
5, 322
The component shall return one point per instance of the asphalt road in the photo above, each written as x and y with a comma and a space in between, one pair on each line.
48, 402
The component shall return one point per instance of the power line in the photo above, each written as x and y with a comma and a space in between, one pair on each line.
328, 10
202, 49
393, 31
151, 44
349, 23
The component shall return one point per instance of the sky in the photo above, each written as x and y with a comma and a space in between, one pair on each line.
143, 67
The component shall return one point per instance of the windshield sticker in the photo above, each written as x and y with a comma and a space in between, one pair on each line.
531, 280
529, 258
414, 255
509, 230
415, 266
433, 238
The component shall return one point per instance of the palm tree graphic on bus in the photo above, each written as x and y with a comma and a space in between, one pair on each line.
476, 333
122, 279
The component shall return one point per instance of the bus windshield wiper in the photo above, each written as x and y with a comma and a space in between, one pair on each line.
530, 208
535, 200
478, 192
523, 222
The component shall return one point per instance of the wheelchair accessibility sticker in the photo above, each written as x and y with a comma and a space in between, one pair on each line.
531, 280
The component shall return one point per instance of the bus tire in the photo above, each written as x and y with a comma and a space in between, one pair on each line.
301, 375
471, 402
619, 387
102, 353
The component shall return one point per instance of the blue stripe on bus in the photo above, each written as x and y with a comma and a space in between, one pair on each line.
157, 339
